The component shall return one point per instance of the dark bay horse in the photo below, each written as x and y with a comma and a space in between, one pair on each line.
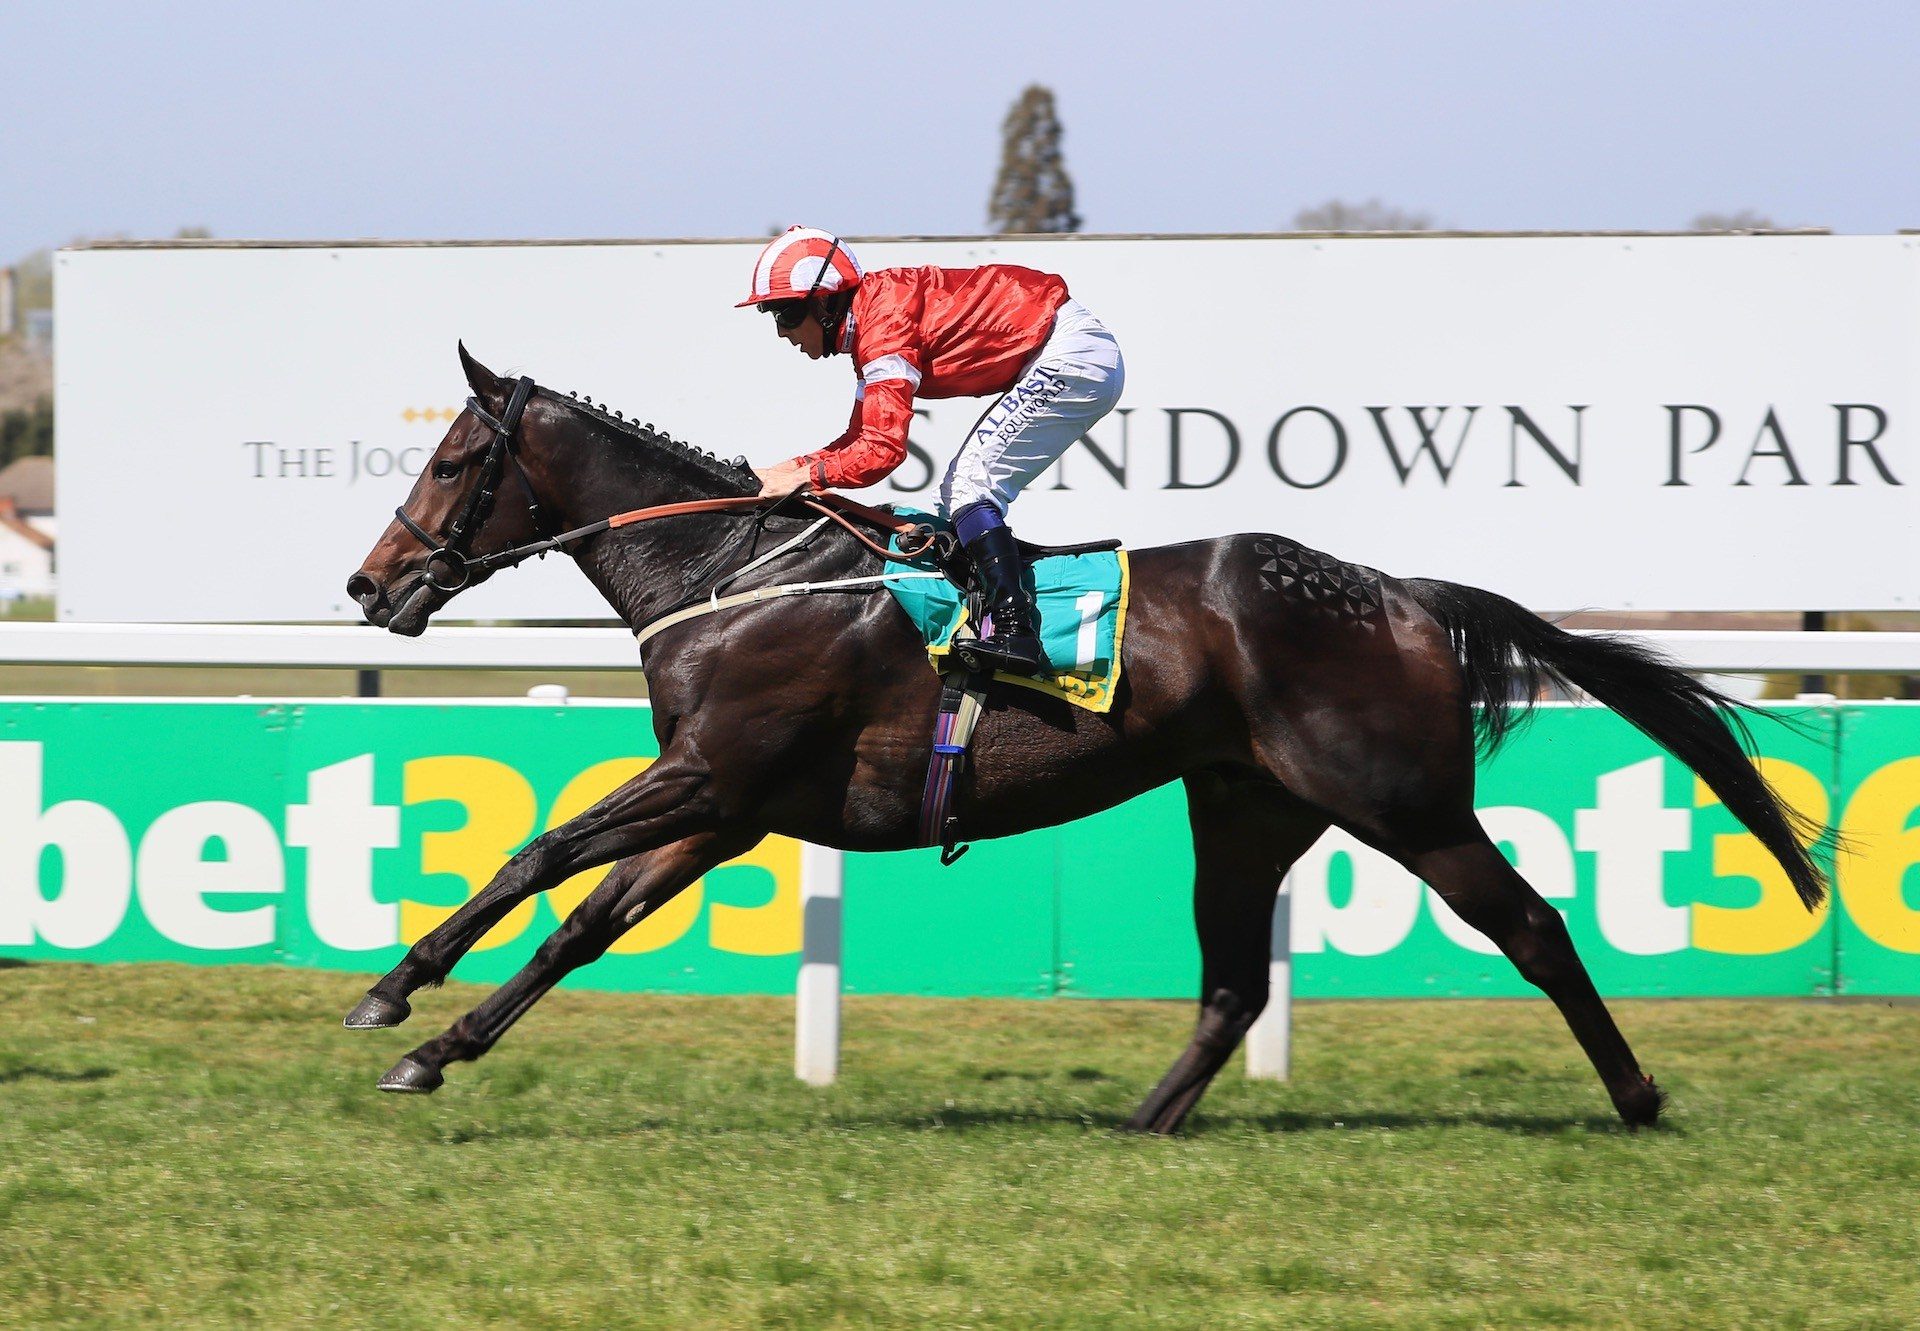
1288, 690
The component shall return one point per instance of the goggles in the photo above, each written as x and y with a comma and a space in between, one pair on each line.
787, 314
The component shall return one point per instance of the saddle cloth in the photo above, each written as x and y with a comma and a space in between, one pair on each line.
1082, 605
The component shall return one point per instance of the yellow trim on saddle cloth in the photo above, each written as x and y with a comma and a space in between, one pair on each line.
1096, 695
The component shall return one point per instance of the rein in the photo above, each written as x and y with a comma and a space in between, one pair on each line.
830, 506
449, 567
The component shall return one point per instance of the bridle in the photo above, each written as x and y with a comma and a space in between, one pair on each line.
449, 567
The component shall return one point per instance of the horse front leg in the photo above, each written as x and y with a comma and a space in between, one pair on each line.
671, 800
632, 890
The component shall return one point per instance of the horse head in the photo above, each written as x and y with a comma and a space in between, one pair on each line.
513, 467
472, 500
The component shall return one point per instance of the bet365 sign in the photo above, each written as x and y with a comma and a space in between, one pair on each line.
336, 834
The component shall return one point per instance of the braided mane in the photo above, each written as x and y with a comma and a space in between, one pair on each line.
734, 476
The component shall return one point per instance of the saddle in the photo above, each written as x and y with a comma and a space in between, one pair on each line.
951, 559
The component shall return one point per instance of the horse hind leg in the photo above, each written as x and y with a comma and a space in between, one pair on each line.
1246, 834
1483, 889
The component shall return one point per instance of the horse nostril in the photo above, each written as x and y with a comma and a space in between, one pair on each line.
362, 588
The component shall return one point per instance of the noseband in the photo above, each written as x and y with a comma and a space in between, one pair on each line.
449, 567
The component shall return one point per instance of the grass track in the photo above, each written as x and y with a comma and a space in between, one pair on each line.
188, 1146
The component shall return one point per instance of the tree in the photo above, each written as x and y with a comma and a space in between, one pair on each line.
1033, 192
1373, 215
34, 274
1744, 220
26, 433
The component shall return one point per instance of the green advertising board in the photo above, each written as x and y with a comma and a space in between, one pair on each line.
332, 834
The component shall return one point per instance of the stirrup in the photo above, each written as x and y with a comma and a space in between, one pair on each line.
984, 654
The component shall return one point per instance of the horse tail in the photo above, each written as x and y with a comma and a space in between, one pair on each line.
1507, 652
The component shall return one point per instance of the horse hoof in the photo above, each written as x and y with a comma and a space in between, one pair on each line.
1164, 1123
411, 1077
373, 1014
1641, 1107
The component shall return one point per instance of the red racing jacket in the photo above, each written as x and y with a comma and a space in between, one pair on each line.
930, 332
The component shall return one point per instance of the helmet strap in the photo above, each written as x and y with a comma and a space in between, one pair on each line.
831, 311
822, 311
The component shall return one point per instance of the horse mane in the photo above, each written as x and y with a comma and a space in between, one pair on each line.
734, 476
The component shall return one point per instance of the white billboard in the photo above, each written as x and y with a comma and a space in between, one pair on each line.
1627, 422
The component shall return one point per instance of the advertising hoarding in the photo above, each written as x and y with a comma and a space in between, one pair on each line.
334, 834
1608, 422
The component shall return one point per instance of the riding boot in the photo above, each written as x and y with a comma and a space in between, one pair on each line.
1013, 645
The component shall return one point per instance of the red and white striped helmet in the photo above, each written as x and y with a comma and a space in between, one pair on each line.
796, 263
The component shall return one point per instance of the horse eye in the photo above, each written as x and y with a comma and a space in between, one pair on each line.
446, 470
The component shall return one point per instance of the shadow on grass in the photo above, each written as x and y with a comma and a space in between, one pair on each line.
471, 1133
14, 963
33, 1072
1534, 1125
1203, 1124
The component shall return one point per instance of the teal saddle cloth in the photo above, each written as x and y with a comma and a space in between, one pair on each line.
1081, 600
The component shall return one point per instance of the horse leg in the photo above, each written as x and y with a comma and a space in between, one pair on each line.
1483, 889
1430, 828
663, 804
1246, 834
634, 889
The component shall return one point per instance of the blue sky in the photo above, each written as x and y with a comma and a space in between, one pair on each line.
426, 120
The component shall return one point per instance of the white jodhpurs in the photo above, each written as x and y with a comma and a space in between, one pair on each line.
1072, 381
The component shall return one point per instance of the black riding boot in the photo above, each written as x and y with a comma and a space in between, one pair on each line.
1014, 644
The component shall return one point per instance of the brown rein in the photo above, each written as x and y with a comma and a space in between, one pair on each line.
837, 507
452, 553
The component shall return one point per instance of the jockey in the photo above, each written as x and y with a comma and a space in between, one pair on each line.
946, 332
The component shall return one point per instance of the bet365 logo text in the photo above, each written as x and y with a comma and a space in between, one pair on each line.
212, 875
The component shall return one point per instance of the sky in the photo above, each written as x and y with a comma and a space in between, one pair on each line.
499, 120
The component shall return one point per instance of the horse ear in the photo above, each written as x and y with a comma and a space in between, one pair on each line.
485, 383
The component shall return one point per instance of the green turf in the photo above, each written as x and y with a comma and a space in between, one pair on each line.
198, 1146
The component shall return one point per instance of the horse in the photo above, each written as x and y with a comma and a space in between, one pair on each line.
1289, 692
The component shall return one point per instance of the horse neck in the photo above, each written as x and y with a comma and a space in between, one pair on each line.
647, 568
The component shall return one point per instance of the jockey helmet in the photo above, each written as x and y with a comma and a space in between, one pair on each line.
799, 263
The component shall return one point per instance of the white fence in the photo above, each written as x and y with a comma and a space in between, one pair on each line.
817, 1017
360, 647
